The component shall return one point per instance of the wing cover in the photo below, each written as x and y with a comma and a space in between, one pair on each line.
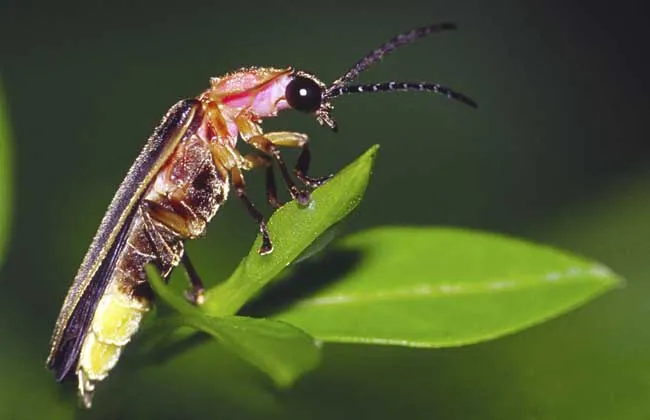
95, 270
65, 357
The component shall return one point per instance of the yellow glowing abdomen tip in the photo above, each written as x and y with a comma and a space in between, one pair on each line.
116, 320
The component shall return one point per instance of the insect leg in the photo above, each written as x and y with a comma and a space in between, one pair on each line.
259, 160
196, 294
152, 210
298, 140
265, 145
240, 189
164, 251
166, 255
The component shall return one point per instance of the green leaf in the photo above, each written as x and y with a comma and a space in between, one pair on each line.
282, 351
182, 306
435, 287
5, 177
279, 349
293, 229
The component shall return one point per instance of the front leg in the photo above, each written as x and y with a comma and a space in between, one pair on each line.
265, 145
268, 143
301, 141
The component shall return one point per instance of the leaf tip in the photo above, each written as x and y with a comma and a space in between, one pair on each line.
607, 276
371, 153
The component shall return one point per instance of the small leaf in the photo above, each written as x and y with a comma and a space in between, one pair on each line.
293, 228
282, 351
434, 287
279, 349
168, 296
5, 178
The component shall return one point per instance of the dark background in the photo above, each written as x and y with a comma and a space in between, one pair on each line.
556, 153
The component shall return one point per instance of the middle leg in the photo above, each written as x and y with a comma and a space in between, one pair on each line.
240, 189
255, 160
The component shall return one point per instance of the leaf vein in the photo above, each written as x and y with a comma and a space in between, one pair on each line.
424, 290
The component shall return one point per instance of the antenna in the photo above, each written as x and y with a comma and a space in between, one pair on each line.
403, 87
377, 54
341, 85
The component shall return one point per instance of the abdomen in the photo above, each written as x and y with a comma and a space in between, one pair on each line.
181, 200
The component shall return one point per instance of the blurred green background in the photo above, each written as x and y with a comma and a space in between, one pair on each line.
556, 153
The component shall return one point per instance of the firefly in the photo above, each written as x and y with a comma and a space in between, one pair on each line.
180, 179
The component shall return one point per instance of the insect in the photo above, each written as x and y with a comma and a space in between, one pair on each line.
176, 185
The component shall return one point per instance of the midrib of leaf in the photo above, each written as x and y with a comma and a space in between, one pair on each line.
573, 275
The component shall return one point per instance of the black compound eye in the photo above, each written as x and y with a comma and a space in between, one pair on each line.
303, 94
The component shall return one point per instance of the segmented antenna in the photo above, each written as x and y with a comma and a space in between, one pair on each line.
403, 86
378, 53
